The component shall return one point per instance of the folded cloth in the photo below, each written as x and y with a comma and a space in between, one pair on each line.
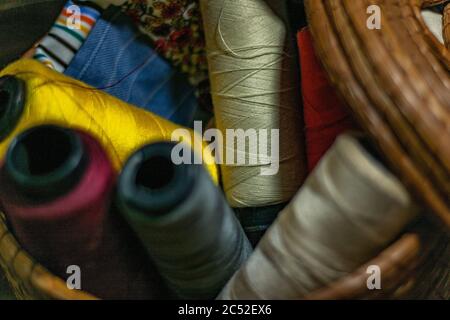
176, 29
256, 221
67, 35
118, 59
60, 100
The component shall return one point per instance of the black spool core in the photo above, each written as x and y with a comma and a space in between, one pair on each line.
46, 161
4, 98
155, 173
45, 152
12, 103
151, 183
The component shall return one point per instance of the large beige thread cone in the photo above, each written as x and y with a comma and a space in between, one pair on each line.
253, 87
349, 210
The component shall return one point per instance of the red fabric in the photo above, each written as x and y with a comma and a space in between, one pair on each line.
79, 229
325, 114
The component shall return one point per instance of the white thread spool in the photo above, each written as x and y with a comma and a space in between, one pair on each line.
349, 209
253, 87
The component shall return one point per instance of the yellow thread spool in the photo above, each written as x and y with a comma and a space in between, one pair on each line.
53, 98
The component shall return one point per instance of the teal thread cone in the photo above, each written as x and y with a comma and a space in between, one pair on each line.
183, 220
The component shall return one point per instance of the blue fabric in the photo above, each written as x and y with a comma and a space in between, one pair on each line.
110, 54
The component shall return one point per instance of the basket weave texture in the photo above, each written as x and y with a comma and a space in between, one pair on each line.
28, 279
396, 81
399, 264
446, 26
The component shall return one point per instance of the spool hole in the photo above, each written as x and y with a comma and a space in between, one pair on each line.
155, 173
43, 151
4, 99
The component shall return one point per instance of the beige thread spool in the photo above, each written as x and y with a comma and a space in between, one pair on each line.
349, 209
254, 87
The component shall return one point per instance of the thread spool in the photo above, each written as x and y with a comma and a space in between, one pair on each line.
256, 220
183, 220
326, 115
56, 186
348, 210
252, 89
45, 173
52, 98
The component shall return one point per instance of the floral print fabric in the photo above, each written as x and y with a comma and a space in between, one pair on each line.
176, 29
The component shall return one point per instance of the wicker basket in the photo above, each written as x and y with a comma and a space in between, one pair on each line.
396, 80
28, 279
446, 26
423, 166
398, 264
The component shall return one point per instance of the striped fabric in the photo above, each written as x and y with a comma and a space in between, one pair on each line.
60, 45
119, 60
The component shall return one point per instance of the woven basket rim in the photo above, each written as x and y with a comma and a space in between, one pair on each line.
401, 258
382, 79
38, 277
446, 26
398, 261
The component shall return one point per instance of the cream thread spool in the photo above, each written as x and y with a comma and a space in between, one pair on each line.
349, 209
253, 87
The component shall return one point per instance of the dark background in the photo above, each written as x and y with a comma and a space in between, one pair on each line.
22, 23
